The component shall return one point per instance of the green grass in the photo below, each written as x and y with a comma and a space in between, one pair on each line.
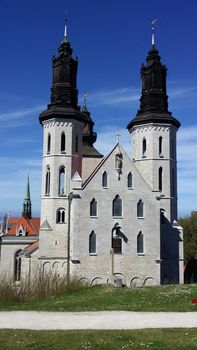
97, 298
158, 339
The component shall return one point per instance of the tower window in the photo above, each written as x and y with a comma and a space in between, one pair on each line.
160, 179
61, 181
76, 144
162, 216
117, 206
140, 209
144, 147
104, 179
17, 266
130, 180
49, 143
92, 243
93, 207
116, 239
140, 243
63, 142
47, 181
60, 216
160, 145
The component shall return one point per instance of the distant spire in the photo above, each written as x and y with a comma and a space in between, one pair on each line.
27, 201
84, 107
65, 28
153, 30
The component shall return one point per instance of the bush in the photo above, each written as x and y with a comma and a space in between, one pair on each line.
41, 287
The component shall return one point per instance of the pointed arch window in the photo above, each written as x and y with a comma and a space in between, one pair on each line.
144, 147
104, 179
60, 216
47, 181
140, 209
17, 266
160, 145
130, 180
117, 206
140, 243
63, 142
92, 243
162, 216
160, 179
93, 207
49, 144
116, 239
61, 181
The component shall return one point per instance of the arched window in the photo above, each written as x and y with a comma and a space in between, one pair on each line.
140, 243
49, 143
92, 243
160, 179
173, 184
116, 239
76, 144
130, 180
117, 206
140, 209
160, 145
60, 216
47, 181
63, 142
144, 147
17, 266
93, 207
61, 181
104, 179
162, 216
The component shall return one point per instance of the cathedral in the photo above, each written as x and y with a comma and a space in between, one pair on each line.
103, 218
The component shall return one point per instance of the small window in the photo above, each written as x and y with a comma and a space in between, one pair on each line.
140, 243
47, 181
160, 145
49, 143
130, 180
93, 207
63, 142
104, 179
160, 179
92, 243
60, 216
61, 181
117, 245
117, 206
76, 144
144, 147
140, 209
17, 266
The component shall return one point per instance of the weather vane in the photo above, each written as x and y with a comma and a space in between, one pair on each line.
153, 30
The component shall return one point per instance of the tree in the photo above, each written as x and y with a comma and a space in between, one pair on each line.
189, 225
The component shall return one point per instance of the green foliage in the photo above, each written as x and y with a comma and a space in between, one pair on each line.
163, 339
189, 225
99, 298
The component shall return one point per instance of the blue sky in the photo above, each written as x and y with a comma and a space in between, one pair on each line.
111, 40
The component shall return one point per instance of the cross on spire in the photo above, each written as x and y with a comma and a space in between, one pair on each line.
153, 30
118, 137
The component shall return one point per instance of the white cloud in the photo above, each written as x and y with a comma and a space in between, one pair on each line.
17, 117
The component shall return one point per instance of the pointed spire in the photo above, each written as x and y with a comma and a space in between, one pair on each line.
27, 201
153, 31
65, 28
84, 107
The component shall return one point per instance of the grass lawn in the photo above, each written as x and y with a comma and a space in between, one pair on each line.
158, 298
160, 339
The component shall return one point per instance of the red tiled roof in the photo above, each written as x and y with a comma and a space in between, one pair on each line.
31, 248
31, 226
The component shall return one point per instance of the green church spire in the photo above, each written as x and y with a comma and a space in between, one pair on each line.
27, 202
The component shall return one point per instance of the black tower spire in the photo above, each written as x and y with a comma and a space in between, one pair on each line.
27, 202
154, 99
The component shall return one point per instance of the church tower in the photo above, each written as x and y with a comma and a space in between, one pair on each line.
27, 202
153, 132
63, 124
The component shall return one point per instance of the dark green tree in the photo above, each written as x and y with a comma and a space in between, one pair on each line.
189, 225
